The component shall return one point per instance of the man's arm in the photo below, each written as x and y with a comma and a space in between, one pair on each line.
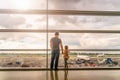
51, 45
61, 47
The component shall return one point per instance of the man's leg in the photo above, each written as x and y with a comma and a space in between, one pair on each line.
57, 59
52, 60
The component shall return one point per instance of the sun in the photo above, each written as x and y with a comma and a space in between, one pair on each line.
22, 4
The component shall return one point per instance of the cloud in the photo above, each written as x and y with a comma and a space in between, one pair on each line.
22, 40
63, 22
90, 41
85, 4
99, 41
33, 4
63, 4
9, 21
84, 22
38, 4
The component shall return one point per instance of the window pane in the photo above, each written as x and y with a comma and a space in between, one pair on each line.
70, 22
23, 4
19, 21
23, 58
89, 59
90, 41
95, 5
23, 41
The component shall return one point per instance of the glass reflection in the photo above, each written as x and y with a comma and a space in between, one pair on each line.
65, 75
54, 75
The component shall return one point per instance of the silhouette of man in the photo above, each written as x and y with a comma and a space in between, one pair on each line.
55, 44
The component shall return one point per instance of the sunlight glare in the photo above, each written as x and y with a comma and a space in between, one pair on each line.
22, 4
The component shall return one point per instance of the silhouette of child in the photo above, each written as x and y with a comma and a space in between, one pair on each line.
66, 56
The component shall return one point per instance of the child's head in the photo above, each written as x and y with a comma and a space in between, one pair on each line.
66, 47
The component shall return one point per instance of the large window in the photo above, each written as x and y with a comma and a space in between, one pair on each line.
23, 40
91, 29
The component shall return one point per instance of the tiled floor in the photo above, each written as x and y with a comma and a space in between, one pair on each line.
60, 75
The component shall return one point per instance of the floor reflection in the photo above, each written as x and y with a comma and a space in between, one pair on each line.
54, 75
66, 75
61, 75
22, 75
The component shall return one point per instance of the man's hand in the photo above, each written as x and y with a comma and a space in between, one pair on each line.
61, 47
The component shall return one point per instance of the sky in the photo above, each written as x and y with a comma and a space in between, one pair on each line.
64, 22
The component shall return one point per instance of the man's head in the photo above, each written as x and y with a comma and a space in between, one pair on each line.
56, 34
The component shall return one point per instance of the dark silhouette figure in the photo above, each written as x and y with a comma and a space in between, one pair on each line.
55, 44
66, 56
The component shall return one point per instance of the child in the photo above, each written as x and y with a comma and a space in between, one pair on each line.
66, 56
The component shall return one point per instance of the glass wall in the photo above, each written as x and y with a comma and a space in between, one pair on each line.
83, 49
23, 49
29, 43
84, 45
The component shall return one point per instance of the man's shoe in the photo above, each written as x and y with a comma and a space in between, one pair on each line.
51, 68
56, 68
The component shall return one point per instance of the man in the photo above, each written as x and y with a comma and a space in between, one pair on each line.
55, 44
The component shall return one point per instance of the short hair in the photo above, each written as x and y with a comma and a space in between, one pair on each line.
66, 47
56, 33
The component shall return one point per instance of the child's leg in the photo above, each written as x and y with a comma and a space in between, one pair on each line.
65, 62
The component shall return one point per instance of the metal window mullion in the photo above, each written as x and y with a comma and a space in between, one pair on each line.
60, 12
